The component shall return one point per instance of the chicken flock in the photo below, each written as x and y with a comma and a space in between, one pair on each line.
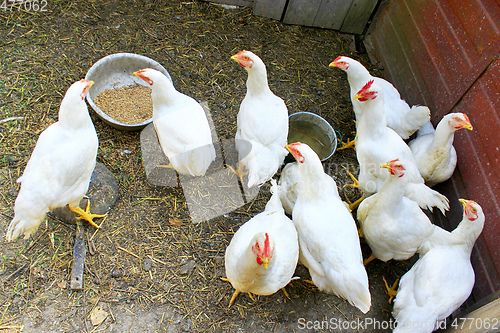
305, 220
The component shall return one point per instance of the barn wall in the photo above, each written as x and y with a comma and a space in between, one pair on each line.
446, 54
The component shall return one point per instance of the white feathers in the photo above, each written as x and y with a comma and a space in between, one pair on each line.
377, 144
442, 279
328, 237
60, 167
400, 117
433, 149
262, 121
242, 268
181, 125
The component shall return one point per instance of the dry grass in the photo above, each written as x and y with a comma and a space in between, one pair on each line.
151, 266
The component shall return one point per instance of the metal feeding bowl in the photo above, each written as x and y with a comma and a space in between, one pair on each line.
115, 71
316, 132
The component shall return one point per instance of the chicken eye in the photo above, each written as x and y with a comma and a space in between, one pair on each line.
245, 57
458, 119
474, 210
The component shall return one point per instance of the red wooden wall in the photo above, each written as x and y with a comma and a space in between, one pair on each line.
446, 54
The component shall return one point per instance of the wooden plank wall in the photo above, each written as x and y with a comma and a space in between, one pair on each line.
446, 54
245, 3
349, 16
272, 9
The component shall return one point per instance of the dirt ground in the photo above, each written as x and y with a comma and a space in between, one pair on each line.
152, 269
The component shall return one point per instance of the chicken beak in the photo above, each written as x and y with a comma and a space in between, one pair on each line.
265, 262
385, 165
464, 202
295, 153
468, 126
87, 88
357, 96
139, 75
333, 64
235, 57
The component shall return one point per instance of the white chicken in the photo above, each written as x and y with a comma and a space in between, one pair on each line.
59, 169
393, 225
400, 117
328, 237
289, 184
442, 279
262, 255
433, 149
262, 121
377, 143
181, 125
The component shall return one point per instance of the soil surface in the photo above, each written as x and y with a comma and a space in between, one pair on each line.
149, 268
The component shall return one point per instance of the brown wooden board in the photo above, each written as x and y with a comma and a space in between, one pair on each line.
269, 8
357, 17
302, 12
446, 55
246, 3
332, 14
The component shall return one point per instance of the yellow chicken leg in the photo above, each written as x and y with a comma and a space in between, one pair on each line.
350, 144
369, 259
86, 214
355, 184
168, 166
361, 234
239, 172
284, 292
391, 291
355, 204
235, 294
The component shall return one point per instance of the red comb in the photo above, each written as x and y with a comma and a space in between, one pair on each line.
338, 58
366, 87
267, 249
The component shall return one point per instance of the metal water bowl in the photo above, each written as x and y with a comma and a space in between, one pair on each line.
115, 71
313, 130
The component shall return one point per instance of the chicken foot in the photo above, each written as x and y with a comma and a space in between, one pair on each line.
355, 184
239, 172
233, 298
391, 291
350, 144
86, 214
369, 259
168, 166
